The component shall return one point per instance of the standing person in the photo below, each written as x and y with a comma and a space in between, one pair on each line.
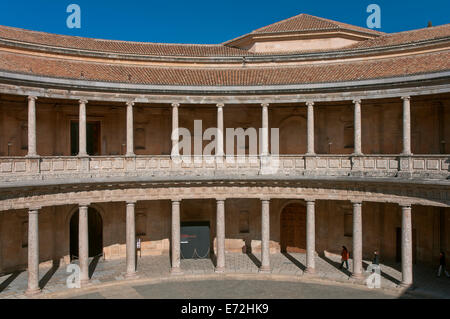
442, 265
376, 259
344, 257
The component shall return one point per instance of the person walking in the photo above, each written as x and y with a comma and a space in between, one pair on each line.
376, 258
442, 265
344, 257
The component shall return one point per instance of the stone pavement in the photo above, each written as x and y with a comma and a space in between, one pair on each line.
53, 280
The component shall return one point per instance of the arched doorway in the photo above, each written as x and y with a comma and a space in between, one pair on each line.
95, 225
293, 228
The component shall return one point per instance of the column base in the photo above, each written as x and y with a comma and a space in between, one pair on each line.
264, 270
176, 271
408, 286
32, 292
219, 269
357, 276
131, 275
309, 271
130, 155
85, 283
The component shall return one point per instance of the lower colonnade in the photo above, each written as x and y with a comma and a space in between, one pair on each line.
265, 266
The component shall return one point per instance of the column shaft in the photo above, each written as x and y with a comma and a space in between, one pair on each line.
174, 136
82, 129
357, 240
83, 244
33, 252
265, 130
407, 269
406, 126
131, 240
357, 127
220, 238
176, 236
265, 236
310, 128
219, 144
32, 126
130, 130
310, 237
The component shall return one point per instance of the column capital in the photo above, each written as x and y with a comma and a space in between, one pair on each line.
265, 104
265, 199
310, 200
175, 104
406, 98
83, 101
356, 202
357, 101
404, 205
32, 97
176, 201
84, 204
220, 105
131, 202
220, 199
33, 210
309, 103
129, 103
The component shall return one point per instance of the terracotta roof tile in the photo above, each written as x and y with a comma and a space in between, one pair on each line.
242, 76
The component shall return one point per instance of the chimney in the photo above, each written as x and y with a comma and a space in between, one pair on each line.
430, 24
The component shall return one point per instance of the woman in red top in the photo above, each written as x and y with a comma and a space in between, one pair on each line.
344, 257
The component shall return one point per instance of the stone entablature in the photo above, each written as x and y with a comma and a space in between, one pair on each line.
52, 168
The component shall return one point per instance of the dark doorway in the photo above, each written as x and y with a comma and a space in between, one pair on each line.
95, 228
398, 256
293, 228
194, 240
92, 138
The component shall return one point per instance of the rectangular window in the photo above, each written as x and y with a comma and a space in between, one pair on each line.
244, 222
348, 224
24, 230
349, 141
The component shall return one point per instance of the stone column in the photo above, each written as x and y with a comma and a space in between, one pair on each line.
176, 237
406, 126
407, 268
174, 136
33, 252
220, 237
265, 130
131, 240
130, 130
357, 127
219, 144
310, 128
357, 240
265, 236
83, 244
32, 126
82, 129
310, 237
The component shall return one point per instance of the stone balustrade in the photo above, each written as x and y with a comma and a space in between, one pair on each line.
60, 167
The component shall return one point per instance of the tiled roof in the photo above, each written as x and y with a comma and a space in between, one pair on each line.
306, 22
239, 76
127, 47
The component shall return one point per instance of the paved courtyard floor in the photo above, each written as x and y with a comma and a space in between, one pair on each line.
155, 270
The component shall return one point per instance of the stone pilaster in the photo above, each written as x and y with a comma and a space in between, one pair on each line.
310, 237
357, 240
407, 268
33, 252
131, 240
175, 237
310, 128
82, 129
175, 148
220, 130
83, 244
357, 127
32, 126
406, 126
130, 130
220, 237
265, 130
265, 236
